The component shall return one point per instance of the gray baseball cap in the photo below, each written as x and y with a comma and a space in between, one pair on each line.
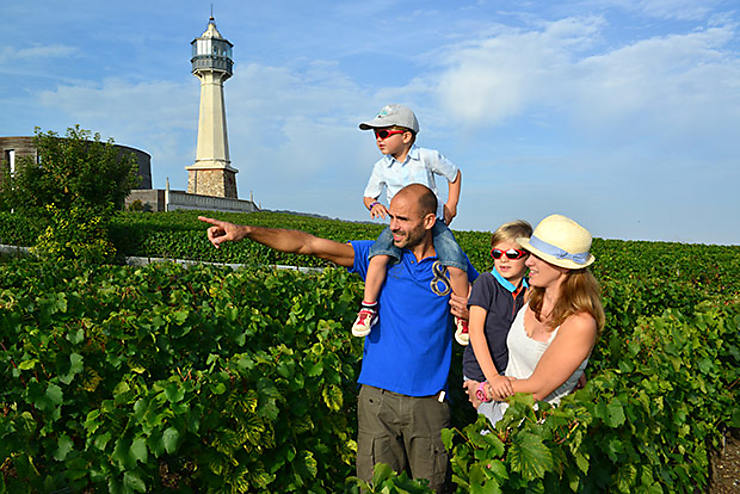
391, 115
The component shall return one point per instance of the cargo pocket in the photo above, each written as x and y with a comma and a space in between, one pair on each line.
373, 449
429, 461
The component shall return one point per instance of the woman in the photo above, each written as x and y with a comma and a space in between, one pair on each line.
552, 336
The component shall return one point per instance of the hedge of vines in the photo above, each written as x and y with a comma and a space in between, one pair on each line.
203, 379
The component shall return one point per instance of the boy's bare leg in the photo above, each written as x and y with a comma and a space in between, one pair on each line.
368, 315
460, 287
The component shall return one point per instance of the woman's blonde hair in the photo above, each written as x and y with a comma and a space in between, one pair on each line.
509, 232
580, 292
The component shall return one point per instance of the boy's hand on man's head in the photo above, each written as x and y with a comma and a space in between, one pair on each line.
378, 211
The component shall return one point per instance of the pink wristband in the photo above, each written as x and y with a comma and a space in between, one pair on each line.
480, 393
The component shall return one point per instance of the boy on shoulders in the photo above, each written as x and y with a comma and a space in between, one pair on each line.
403, 163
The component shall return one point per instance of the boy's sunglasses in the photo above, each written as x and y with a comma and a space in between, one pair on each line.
385, 134
512, 254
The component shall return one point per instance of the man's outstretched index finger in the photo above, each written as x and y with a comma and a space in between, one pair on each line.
212, 221
217, 233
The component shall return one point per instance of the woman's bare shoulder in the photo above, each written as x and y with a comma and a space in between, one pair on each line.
580, 322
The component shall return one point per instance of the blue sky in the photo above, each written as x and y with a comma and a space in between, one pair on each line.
624, 115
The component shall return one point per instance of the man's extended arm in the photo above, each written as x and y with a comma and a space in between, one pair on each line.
292, 241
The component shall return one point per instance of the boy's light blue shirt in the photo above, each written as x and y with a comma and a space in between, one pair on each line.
420, 167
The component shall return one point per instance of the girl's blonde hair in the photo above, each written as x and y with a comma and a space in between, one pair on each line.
509, 232
580, 292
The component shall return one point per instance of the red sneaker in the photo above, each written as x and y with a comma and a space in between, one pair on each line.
461, 331
365, 321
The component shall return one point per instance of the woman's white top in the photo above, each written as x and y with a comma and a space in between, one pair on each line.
525, 353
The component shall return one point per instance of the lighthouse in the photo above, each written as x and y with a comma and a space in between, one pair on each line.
212, 64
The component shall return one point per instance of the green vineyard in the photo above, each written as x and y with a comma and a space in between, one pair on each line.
168, 378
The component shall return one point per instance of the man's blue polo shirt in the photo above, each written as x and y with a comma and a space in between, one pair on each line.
410, 349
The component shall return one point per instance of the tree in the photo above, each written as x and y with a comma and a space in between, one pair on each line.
77, 170
75, 186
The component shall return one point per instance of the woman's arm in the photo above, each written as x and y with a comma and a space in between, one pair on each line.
572, 344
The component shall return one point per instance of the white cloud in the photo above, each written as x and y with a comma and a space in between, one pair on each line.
672, 84
677, 85
680, 10
676, 9
501, 76
10, 54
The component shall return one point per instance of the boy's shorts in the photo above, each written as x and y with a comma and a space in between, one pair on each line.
448, 250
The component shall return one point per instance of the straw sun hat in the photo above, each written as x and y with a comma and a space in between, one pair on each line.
560, 241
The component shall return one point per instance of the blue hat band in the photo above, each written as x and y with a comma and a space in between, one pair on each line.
557, 252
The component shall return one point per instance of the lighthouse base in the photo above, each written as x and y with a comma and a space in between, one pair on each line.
212, 182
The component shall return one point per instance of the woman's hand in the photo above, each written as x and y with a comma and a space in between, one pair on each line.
500, 388
470, 386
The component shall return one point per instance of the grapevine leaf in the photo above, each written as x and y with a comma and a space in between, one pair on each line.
381, 472
582, 462
735, 421
495, 444
447, 435
614, 414
315, 369
64, 446
138, 450
170, 438
489, 486
76, 337
498, 469
75, 367
529, 456
174, 393
122, 454
332, 397
102, 440
180, 316
132, 481
28, 364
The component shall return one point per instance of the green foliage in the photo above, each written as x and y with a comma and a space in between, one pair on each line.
74, 234
75, 170
18, 229
194, 379
386, 481
643, 426
205, 379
